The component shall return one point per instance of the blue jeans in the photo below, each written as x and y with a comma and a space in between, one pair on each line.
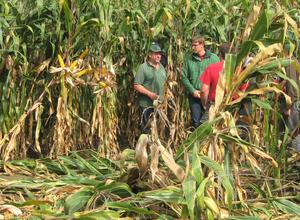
196, 111
145, 115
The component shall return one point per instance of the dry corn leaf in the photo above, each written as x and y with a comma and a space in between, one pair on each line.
264, 155
141, 155
253, 161
170, 162
154, 159
10, 208
251, 21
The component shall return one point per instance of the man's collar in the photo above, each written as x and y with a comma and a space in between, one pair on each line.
150, 64
206, 55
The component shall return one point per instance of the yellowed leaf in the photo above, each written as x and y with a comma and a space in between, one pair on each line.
252, 19
170, 162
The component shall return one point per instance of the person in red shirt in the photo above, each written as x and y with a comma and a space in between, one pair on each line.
210, 77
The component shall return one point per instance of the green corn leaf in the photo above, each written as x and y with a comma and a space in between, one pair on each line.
189, 191
224, 178
87, 165
261, 27
200, 133
168, 195
77, 201
287, 206
196, 165
258, 190
246, 47
121, 189
68, 16
227, 165
262, 104
270, 66
229, 68
243, 218
201, 193
291, 81
127, 206
80, 180
102, 215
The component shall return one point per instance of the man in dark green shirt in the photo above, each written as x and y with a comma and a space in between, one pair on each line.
193, 67
149, 83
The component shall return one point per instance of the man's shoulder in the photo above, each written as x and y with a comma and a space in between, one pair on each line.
188, 56
162, 68
145, 64
216, 65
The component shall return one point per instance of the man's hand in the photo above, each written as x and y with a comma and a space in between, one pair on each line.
204, 95
141, 89
152, 96
197, 94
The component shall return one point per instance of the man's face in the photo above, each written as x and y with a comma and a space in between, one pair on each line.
197, 47
155, 57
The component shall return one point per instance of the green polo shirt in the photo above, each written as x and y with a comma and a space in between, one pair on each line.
193, 68
153, 80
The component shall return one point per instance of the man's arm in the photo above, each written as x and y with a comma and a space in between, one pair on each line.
206, 80
185, 80
141, 89
204, 95
138, 84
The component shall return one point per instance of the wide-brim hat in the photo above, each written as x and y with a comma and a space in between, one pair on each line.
154, 47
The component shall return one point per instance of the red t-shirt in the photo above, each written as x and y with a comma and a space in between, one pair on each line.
210, 77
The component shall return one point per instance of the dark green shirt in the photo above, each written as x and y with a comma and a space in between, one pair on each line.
193, 68
153, 80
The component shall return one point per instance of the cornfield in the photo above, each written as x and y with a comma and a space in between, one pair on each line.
70, 143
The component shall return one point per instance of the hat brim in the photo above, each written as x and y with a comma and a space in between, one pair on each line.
156, 51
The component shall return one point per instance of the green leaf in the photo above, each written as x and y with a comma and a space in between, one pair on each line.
168, 195
243, 218
229, 68
262, 104
278, 63
121, 189
196, 165
32, 202
291, 81
189, 191
68, 16
86, 164
287, 206
200, 193
199, 134
213, 165
261, 27
127, 206
77, 201
102, 215
258, 190
246, 47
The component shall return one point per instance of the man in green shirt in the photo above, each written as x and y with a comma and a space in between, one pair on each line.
193, 67
149, 83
